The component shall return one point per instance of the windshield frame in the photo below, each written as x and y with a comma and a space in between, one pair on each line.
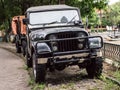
79, 15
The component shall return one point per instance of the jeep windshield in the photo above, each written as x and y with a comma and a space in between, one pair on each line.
58, 17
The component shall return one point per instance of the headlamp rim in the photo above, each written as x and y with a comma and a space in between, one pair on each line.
100, 44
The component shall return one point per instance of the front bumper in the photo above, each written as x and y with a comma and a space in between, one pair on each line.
68, 56
73, 58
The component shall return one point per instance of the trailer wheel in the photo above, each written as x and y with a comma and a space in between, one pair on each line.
18, 48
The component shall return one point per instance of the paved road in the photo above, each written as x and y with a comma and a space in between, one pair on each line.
13, 76
106, 38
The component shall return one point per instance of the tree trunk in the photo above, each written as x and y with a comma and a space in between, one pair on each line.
41, 2
61, 1
2, 2
100, 19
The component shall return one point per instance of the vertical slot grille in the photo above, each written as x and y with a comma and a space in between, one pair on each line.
67, 45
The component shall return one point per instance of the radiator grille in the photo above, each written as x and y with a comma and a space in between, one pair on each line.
67, 45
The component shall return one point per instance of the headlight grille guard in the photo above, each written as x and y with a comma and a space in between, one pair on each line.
72, 52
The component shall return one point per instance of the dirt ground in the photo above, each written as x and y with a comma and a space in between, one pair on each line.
72, 78
13, 76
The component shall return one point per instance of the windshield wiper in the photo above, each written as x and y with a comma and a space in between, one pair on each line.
50, 23
72, 19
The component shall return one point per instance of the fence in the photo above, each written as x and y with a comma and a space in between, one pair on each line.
111, 51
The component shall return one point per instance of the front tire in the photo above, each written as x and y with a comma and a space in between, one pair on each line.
94, 69
39, 70
28, 60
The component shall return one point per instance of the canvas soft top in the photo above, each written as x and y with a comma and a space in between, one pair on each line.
49, 7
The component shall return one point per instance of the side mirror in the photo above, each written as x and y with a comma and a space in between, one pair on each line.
26, 21
79, 23
76, 22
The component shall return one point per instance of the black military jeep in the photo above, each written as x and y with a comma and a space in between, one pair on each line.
57, 39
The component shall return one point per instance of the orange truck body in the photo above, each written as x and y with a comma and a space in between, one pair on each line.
22, 26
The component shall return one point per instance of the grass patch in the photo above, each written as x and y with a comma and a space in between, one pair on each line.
36, 86
110, 85
33, 84
117, 75
39, 87
25, 67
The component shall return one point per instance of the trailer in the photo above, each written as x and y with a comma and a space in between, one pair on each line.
19, 30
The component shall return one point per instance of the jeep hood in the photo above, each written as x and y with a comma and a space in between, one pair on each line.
43, 32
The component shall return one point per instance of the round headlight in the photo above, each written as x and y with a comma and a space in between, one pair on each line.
55, 48
53, 44
81, 35
80, 46
52, 37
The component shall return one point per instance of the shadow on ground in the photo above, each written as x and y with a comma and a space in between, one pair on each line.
70, 74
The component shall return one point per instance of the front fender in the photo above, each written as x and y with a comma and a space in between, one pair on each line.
42, 48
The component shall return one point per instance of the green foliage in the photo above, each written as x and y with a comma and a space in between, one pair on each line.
87, 6
39, 87
109, 85
100, 4
113, 14
94, 20
2, 27
117, 75
106, 22
116, 12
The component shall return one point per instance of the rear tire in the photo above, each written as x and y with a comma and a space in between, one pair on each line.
94, 69
18, 47
39, 70
24, 47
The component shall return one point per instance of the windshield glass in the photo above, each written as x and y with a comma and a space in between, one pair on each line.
62, 16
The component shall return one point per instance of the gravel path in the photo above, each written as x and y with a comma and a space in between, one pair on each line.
13, 76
